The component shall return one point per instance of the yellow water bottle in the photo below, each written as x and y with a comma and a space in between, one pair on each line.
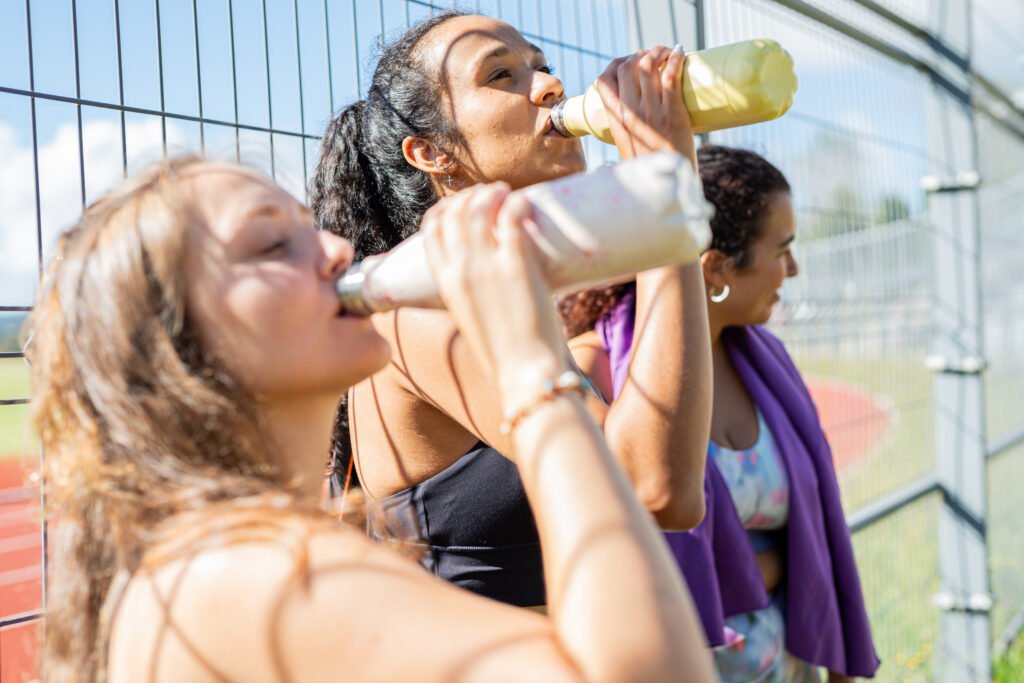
724, 87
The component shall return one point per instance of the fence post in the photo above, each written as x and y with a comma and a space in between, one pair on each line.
963, 652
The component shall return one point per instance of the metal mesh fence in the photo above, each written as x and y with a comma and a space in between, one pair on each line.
1002, 221
91, 90
897, 558
860, 318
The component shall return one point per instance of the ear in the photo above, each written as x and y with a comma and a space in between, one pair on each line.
423, 154
717, 268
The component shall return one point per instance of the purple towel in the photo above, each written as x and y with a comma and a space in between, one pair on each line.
826, 622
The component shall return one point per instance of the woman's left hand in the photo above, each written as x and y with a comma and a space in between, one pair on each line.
643, 96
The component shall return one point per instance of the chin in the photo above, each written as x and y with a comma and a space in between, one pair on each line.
562, 157
360, 361
577, 161
761, 318
376, 356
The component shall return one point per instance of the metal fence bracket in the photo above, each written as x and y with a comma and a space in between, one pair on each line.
967, 365
965, 180
976, 603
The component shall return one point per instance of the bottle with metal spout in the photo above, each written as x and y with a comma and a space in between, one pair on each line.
591, 228
724, 87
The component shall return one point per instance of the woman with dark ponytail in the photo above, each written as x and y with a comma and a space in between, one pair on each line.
771, 565
460, 100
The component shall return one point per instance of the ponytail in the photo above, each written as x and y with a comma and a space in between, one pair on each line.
344, 191
364, 189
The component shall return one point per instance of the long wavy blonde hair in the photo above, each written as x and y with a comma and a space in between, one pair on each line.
138, 425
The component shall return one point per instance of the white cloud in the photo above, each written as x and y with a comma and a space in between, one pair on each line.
60, 183
59, 188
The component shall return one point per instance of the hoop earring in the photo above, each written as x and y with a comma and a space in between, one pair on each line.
721, 296
447, 172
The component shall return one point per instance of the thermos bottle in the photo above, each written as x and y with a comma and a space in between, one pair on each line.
591, 228
724, 87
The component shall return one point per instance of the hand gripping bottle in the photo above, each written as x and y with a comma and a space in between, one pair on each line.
591, 228
724, 87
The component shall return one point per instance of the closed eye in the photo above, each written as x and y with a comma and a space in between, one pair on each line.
276, 247
505, 73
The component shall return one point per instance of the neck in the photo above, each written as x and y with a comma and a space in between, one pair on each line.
716, 325
300, 429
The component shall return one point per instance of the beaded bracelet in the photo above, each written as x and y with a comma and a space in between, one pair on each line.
566, 383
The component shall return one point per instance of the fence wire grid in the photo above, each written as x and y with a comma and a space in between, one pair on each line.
91, 90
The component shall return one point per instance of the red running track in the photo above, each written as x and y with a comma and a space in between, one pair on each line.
854, 419
20, 571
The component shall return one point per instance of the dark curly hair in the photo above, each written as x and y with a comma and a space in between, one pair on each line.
740, 184
581, 310
363, 188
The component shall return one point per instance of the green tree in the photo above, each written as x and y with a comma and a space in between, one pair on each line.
892, 208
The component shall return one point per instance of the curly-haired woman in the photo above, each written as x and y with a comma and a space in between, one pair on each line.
771, 566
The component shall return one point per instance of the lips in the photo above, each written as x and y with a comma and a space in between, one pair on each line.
548, 127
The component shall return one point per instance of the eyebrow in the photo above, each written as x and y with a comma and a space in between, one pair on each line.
786, 242
504, 50
263, 209
273, 209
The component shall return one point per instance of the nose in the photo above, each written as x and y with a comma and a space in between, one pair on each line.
336, 255
792, 269
546, 89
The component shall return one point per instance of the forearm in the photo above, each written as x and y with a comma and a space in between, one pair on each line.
617, 600
658, 425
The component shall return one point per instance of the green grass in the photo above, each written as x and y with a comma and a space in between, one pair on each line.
1006, 538
898, 563
1010, 667
16, 437
898, 557
907, 450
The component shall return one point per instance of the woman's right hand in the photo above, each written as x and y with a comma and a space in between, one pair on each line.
487, 272
643, 96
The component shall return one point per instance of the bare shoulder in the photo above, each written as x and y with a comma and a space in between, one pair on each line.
271, 611
210, 614
416, 336
432, 363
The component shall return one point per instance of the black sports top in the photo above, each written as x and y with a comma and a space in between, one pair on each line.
475, 526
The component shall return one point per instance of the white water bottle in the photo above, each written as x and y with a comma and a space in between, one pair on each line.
590, 229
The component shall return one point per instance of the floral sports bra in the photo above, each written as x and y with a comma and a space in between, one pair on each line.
758, 483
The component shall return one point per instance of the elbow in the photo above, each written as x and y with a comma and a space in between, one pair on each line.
675, 510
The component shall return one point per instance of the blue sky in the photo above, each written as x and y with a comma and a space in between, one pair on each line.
326, 85
856, 120
55, 66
